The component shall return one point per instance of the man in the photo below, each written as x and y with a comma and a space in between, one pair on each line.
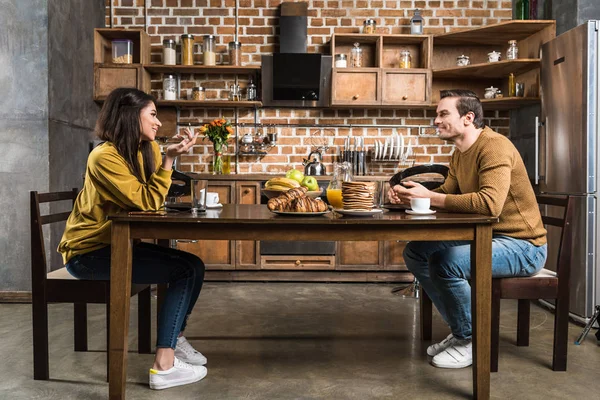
487, 176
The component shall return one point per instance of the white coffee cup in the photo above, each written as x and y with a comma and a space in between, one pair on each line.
420, 204
212, 198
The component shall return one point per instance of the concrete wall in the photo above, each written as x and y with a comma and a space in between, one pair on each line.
46, 114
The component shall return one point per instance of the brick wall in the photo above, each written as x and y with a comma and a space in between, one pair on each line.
257, 21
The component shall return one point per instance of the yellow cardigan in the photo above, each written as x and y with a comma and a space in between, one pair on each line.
110, 186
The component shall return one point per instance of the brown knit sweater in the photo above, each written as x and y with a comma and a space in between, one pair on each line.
490, 179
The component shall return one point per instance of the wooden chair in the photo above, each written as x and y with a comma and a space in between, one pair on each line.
544, 285
59, 286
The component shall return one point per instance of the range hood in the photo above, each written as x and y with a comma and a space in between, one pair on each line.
293, 77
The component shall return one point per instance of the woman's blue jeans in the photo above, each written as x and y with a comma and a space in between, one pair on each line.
444, 267
152, 264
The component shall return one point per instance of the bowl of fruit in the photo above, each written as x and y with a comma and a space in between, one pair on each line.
293, 179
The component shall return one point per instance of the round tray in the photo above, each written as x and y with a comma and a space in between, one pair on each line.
274, 193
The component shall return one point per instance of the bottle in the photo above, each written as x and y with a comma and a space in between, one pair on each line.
416, 23
169, 52
513, 51
533, 9
522, 9
356, 56
235, 53
511, 85
341, 173
251, 91
208, 50
187, 49
170, 87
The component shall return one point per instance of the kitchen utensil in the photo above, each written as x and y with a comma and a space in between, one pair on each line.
314, 166
385, 146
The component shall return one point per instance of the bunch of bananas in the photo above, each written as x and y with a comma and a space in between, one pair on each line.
281, 184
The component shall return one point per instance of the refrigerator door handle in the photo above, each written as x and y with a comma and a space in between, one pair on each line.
536, 172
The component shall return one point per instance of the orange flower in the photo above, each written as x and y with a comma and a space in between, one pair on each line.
217, 131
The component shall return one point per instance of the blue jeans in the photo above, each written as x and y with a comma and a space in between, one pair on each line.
184, 272
444, 267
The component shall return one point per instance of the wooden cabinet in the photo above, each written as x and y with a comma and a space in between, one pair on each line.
247, 251
380, 81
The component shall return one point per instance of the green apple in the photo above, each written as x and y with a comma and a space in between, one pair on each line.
296, 175
310, 183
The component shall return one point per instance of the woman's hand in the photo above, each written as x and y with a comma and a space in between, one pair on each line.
188, 139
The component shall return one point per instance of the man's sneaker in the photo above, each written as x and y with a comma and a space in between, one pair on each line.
186, 353
181, 374
458, 355
437, 348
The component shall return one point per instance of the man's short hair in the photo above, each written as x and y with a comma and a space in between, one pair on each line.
467, 102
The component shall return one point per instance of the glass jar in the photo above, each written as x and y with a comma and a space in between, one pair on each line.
170, 87
187, 49
122, 51
463, 60
169, 52
405, 59
369, 26
513, 51
342, 172
251, 94
235, 53
490, 92
234, 92
208, 50
356, 56
198, 93
341, 61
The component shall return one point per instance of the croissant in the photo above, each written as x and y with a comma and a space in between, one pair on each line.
306, 204
280, 202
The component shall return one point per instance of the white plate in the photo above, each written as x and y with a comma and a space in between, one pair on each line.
300, 214
384, 149
358, 213
218, 205
376, 151
413, 212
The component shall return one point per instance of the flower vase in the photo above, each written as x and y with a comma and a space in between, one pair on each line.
217, 159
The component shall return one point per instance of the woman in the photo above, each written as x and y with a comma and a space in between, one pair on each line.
126, 172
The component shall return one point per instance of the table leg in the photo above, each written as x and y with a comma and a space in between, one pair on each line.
120, 290
481, 309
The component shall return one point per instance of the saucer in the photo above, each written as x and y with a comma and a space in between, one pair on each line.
218, 205
413, 212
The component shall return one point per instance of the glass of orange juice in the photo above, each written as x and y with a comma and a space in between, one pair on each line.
334, 197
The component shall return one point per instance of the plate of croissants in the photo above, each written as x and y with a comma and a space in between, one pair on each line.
295, 202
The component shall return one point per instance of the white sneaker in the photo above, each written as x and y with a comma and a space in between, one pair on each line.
437, 348
186, 353
458, 355
181, 374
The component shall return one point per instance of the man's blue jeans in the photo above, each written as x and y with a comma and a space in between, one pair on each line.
444, 267
184, 272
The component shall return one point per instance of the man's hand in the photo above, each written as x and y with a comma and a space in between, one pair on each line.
409, 190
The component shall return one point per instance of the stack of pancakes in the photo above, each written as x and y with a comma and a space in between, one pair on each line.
358, 195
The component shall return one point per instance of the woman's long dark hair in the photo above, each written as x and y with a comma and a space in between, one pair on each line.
119, 123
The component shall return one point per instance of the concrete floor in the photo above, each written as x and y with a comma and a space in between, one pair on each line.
298, 341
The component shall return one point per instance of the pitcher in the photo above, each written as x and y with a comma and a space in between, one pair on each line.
342, 172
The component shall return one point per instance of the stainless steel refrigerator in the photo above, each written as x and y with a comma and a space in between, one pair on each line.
568, 150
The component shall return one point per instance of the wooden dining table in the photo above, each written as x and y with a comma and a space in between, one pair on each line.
256, 222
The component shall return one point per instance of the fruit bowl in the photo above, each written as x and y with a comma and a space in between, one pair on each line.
274, 193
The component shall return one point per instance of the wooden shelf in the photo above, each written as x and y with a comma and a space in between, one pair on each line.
507, 103
202, 69
208, 104
497, 34
494, 70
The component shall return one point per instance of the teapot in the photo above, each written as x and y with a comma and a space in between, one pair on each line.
314, 166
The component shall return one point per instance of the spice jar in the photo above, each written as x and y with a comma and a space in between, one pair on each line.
198, 93
122, 51
170, 87
235, 53
169, 52
462, 60
208, 50
405, 59
369, 26
341, 61
490, 92
356, 56
187, 49
513, 51
494, 56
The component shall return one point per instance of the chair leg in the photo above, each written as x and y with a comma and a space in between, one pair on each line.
523, 323
144, 321
495, 339
80, 326
561, 334
426, 316
41, 366
107, 336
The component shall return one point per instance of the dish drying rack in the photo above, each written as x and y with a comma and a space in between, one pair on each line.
393, 149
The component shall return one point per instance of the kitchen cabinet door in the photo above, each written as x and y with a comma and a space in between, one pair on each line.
247, 251
359, 256
216, 254
406, 87
358, 86
392, 255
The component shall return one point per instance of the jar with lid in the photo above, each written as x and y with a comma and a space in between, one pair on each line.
170, 87
463, 60
356, 56
235, 53
122, 51
369, 26
234, 92
198, 93
208, 50
251, 94
341, 61
513, 51
169, 52
187, 49
405, 59
490, 92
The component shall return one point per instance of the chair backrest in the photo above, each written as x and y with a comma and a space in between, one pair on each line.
422, 169
565, 223
38, 250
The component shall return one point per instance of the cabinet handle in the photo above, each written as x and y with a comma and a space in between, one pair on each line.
355, 97
298, 262
404, 97
246, 191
